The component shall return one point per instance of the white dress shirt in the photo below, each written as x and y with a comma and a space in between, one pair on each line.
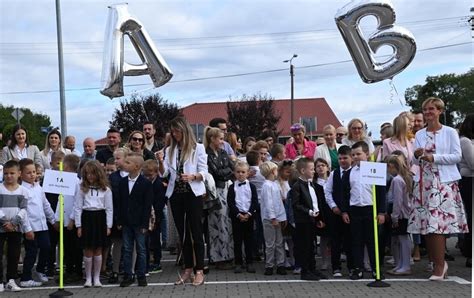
361, 194
243, 195
22, 153
39, 209
328, 187
271, 204
131, 183
314, 198
94, 199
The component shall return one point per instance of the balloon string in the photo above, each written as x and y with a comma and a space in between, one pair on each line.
394, 93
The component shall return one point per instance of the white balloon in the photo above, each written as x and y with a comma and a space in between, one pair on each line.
387, 34
114, 67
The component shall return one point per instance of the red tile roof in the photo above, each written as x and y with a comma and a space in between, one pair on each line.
202, 113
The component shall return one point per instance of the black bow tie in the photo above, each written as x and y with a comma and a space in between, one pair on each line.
242, 183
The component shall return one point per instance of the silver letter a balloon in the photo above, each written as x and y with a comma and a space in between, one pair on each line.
114, 67
387, 34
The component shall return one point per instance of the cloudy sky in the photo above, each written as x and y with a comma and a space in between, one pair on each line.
202, 39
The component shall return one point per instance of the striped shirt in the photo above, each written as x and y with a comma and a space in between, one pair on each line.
13, 208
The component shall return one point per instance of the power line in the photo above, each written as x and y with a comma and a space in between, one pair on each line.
465, 17
224, 76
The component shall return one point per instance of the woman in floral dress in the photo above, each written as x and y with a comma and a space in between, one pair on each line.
437, 206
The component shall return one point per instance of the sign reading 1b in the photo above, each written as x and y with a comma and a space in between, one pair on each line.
374, 173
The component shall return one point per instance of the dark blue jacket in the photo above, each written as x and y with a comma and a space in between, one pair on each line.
135, 206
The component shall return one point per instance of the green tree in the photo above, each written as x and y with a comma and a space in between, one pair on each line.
32, 122
457, 92
251, 115
139, 109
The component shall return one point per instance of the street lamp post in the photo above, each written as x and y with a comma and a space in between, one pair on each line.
292, 74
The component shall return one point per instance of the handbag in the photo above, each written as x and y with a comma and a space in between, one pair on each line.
211, 200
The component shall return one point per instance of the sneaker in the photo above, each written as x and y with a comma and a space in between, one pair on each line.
30, 284
113, 278
41, 277
147, 274
142, 282
250, 268
88, 284
2, 288
281, 270
156, 269
127, 281
297, 270
238, 269
268, 271
374, 275
11, 286
356, 274
337, 273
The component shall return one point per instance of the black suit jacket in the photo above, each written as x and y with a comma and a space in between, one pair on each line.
159, 198
233, 210
302, 203
135, 207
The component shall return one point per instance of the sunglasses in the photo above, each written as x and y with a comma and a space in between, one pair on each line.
287, 162
137, 139
340, 134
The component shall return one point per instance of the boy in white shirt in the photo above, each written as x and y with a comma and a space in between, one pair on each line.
274, 218
39, 211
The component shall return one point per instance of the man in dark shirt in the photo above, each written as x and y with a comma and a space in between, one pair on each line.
113, 140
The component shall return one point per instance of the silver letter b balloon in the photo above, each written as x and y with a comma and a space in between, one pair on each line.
113, 65
387, 34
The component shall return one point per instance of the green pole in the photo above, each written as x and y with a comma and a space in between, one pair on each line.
61, 234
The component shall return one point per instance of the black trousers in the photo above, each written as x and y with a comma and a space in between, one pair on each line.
362, 230
53, 240
243, 233
72, 252
340, 234
465, 188
305, 234
13, 240
187, 214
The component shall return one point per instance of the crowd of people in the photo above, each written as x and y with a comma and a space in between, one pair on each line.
226, 204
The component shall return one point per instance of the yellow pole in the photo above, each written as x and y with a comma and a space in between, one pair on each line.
376, 232
61, 232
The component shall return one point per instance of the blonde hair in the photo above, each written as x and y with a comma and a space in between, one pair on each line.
124, 151
402, 170
267, 168
349, 125
188, 141
400, 127
94, 167
150, 164
209, 133
241, 164
437, 102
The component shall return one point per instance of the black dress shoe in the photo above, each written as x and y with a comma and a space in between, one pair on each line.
142, 282
309, 276
356, 274
127, 281
113, 279
281, 270
268, 271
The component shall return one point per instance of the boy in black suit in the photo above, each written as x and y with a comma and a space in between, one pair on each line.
243, 205
135, 199
337, 192
307, 217
359, 214
150, 171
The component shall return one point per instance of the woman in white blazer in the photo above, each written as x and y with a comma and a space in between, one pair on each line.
19, 147
52, 144
437, 208
328, 150
185, 164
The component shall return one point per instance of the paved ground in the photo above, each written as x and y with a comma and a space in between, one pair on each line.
227, 284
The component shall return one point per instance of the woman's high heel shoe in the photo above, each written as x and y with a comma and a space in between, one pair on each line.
187, 277
442, 276
198, 278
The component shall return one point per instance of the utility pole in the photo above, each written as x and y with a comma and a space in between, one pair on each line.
62, 96
292, 75
471, 20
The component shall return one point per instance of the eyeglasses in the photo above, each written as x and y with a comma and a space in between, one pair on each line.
137, 139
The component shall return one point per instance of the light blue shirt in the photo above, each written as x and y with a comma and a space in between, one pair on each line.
271, 203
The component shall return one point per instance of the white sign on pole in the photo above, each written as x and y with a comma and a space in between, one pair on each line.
374, 173
17, 114
60, 182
